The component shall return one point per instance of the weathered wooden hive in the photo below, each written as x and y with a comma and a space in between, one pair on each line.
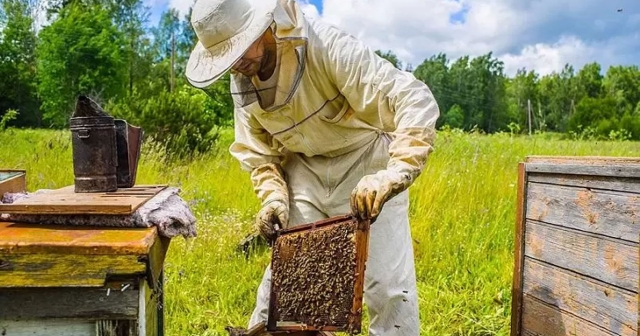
12, 181
576, 258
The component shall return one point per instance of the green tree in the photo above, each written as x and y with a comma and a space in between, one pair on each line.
454, 117
522, 95
130, 17
434, 72
391, 57
18, 62
80, 53
623, 84
589, 80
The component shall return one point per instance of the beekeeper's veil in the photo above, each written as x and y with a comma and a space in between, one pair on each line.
226, 47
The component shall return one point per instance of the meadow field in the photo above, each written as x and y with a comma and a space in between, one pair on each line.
462, 215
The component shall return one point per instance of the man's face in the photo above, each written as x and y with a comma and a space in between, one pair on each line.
251, 61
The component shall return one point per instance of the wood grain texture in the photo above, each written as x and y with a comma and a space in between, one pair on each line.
607, 213
66, 201
30, 238
57, 327
544, 319
583, 160
516, 288
362, 246
12, 181
65, 270
148, 314
98, 303
611, 308
585, 165
116, 328
629, 185
155, 260
604, 259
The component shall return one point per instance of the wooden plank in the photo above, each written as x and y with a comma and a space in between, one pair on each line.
630, 185
57, 327
516, 288
116, 328
584, 160
608, 213
32, 238
609, 307
608, 260
362, 247
65, 270
155, 261
580, 169
543, 319
585, 165
96, 303
148, 319
65, 201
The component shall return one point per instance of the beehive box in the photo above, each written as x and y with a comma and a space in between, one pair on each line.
58, 280
12, 181
576, 247
318, 276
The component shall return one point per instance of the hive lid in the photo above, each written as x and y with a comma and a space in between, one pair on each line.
318, 276
65, 201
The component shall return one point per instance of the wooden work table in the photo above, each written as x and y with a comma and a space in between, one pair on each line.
60, 280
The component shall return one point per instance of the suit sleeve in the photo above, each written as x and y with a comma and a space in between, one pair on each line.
393, 99
258, 153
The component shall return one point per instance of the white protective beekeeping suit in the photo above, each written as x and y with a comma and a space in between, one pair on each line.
341, 119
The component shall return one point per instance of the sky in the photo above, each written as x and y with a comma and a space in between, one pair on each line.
540, 35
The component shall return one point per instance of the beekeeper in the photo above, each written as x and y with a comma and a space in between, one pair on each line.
325, 127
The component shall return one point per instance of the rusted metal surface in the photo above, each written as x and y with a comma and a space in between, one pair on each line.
129, 141
577, 247
93, 142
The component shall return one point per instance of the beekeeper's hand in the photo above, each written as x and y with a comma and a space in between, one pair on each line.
274, 215
373, 191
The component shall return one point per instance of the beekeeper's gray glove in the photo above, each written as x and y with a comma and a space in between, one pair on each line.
269, 184
373, 191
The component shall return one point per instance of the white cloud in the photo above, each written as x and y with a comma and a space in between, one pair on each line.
546, 58
537, 34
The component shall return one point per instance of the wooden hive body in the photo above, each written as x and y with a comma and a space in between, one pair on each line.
12, 181
81, 281
576, 247
318, 276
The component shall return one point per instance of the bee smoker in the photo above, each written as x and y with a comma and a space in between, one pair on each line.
105, 150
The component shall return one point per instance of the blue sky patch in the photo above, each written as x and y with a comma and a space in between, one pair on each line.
460, 16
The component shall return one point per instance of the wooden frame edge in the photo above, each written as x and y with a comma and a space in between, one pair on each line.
516, 289
362, 246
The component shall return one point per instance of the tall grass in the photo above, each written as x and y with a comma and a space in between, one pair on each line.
462, 216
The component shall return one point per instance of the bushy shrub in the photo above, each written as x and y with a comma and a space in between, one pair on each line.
183, 122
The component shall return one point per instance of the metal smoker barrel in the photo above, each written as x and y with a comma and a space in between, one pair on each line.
93, 141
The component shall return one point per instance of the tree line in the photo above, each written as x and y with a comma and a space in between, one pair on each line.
109, 50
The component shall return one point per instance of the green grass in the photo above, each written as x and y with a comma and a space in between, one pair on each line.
462, 216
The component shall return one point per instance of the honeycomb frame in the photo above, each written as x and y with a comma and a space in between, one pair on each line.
317, 279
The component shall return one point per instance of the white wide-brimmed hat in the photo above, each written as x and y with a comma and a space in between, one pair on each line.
225, 30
